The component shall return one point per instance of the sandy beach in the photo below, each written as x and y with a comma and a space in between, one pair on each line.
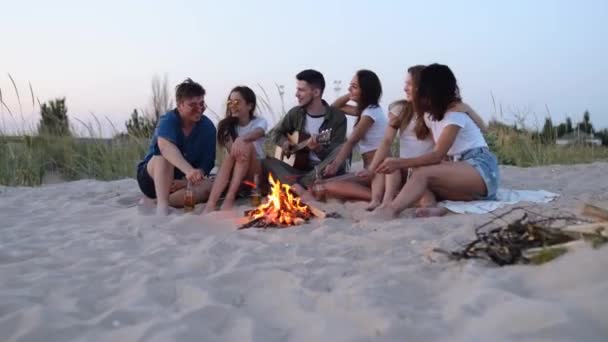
80, 261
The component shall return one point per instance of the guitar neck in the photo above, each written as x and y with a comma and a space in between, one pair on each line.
301, 145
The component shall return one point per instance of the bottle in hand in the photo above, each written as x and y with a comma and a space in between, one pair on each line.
189, 198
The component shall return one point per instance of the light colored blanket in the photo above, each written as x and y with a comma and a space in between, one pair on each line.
504, 197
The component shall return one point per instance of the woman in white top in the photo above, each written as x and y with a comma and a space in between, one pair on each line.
414, 139
473, 173
241, 134
365, 90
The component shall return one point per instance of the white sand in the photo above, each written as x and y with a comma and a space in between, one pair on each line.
79, 262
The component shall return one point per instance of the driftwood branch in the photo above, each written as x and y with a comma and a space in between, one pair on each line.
581, 230
532, 238
595, 212
316, 211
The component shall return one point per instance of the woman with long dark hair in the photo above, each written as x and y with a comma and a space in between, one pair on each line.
365, 90
472, 170
241, 134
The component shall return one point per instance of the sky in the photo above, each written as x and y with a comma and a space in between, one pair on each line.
531, 58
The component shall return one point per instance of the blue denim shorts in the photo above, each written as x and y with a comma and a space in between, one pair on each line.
486, 164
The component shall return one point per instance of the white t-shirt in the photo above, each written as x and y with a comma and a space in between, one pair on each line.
256, 122
313, 125
409, 144
373, 137
469, 136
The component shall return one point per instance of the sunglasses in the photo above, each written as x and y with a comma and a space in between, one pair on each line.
234, 102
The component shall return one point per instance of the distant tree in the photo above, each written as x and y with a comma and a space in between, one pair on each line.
561, 130
603, 135
140, 126
54, 118
161, 99
548, 132
586, 126
569, 128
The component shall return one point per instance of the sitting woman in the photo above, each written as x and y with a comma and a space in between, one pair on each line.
414, 139
241, 134
472, 172
365, 90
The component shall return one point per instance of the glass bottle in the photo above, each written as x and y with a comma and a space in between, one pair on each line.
256, 196
189, 198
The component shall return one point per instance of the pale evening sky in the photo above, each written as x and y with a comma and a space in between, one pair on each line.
102, 55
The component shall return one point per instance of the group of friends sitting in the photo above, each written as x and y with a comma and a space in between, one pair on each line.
443, 154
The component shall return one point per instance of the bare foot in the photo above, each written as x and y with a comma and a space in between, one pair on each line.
307, 196
208, 209
228, 204
298, 189
431, 212
318, 192
386, 213
147, 202
372, 205
162, 210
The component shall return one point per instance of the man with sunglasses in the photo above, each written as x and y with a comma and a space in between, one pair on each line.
182, 150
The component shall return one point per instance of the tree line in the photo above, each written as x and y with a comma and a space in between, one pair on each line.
577, 133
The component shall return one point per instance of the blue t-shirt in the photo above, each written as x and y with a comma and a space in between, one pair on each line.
198, 148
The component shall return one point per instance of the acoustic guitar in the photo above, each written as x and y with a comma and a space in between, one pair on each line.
297, 155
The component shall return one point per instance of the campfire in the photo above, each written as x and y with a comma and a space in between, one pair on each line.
283, 208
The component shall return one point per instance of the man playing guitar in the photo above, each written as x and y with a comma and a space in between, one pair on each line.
319, 127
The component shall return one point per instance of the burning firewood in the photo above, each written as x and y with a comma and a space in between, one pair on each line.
283, 208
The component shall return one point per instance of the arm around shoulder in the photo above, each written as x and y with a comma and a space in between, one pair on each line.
465, 108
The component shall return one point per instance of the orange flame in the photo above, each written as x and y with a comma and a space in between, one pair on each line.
282, 207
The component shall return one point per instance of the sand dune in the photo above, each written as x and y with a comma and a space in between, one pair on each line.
80, 261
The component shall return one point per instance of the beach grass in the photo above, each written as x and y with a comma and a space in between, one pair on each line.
523, 148
26, 159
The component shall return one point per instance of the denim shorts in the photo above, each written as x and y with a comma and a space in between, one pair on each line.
486, 164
